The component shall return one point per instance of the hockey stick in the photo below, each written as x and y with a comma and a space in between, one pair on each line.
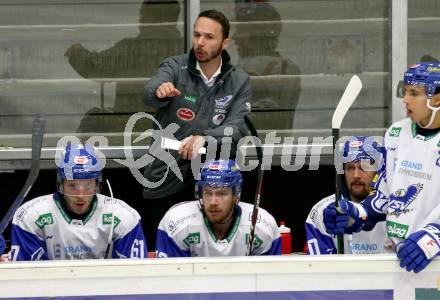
351, 92
37, 142
259, 183
110, 235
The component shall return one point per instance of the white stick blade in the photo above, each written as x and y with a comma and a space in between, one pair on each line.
351, 92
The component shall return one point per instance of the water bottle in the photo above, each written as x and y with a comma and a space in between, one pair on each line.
286, 239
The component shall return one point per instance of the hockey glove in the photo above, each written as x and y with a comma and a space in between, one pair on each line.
420, 248
348, 218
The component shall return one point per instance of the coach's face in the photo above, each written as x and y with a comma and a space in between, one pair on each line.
208, 40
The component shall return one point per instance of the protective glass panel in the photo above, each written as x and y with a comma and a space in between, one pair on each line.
82, 64
301, 55
423, 36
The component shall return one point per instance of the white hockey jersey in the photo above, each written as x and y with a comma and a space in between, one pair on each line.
184, 231
43, 230
320, 242
409, 188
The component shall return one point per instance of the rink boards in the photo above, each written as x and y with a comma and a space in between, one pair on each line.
288, 277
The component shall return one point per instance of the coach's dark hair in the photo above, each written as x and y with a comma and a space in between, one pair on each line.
220, 18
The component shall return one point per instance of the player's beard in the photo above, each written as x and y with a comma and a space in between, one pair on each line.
359, 194
217, 52
221, 218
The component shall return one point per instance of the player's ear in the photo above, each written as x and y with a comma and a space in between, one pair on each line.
436, 100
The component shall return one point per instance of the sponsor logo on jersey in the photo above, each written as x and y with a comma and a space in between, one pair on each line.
364, 248
218, 119
390, 149
420, 137
411, 165
57, 250
76, 222
395, 131
313, 215
174, 224
77, 249
107, 219
256, 243
192, 238
412, 169
171, 227
223, 101
190, 98
437, 161
396, 230
258, 217
402, 198
185, 114
43, 220
21, 213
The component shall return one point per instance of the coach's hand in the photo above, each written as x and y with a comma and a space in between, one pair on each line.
191, 145
166, 90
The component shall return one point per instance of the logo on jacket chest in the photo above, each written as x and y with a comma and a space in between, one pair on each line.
223, 101
218, 119
185, 114
191, 98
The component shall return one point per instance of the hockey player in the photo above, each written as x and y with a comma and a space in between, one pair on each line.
357, 185
408, 189
217, 224
76, 221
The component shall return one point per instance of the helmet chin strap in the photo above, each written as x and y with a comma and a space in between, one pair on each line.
433, 113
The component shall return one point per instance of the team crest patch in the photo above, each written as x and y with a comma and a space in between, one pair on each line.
218, 119
402, 198
185, 114
395, 131
223, 102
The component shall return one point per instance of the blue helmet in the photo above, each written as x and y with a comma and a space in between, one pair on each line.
79, 162
361, 147
425, 74
220, 173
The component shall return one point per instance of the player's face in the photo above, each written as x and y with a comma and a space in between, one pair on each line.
208, 41
357, 180
415, 104
218, 203
78, 194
